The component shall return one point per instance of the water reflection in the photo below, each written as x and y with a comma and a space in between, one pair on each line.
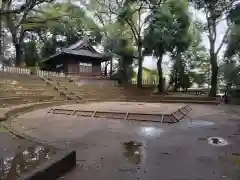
133, 152
198, 123
26, 159
150, 131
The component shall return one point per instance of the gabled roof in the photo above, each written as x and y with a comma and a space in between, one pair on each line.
80, 48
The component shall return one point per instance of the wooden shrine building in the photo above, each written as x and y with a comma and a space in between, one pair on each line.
78, 59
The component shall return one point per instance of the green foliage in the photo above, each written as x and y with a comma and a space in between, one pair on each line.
168, 31
46, 16
198, 78
64, 19
234, 15
214, 11
168, 27
195, 58
30, 54
122, 49
230, 71
48, 49
233, 46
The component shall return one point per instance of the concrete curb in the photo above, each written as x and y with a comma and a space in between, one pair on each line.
60, 164
16, 112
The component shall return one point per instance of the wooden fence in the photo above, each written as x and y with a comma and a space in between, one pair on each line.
27, 71
147, 82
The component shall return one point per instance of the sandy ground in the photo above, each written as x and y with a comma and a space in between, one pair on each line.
120, 149
134, 107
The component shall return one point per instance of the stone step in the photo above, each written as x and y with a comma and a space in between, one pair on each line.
151, 101
184, 97
23, 88
6, 80
23, 100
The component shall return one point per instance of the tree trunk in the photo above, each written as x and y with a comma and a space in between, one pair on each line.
175, 88
214, 69
18, 55
160, 74
140, 61
1, 38
124, 71
111, 66
106, 69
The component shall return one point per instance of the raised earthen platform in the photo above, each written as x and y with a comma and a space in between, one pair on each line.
155, 112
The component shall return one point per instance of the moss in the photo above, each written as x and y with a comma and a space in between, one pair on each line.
2, 129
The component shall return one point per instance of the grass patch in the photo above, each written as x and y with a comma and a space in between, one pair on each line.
3, 129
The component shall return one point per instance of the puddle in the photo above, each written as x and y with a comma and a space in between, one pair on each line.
133, 152
26, 159
199, 123
150, 131
217, 141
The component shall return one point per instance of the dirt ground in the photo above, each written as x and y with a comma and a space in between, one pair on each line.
134, 107
123, 149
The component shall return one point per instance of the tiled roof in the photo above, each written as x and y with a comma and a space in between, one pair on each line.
80, 48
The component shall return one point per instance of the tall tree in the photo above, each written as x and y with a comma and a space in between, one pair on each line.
123, 50
233, 43
30, 54
167, 32
113, 30
130, 13
14, 21
230, 68
73, 25
195, 58
215, 11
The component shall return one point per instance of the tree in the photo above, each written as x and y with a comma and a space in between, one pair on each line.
167, 32
30, 53
125, 50
14, 21
233, 43
215, 11
129, 13
4, 11
195, 58
69, 29
48, 49
230, 69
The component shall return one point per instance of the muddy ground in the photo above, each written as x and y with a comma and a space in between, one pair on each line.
118, 149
